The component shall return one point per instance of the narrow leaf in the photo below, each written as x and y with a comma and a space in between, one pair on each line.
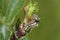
1, 6
13, 8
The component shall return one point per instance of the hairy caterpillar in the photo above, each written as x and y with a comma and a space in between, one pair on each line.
30, 21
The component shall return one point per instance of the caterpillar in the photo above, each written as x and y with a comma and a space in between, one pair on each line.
31, 20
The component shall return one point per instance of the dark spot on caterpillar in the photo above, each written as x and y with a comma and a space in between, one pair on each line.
37, 21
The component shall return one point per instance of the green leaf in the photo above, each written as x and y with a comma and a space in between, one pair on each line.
0, 7
25, 38
1, 3
1, 36
4, 33
13, 9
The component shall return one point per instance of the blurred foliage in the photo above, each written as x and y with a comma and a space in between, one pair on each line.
8, 11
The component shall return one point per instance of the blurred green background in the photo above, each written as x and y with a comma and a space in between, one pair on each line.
49, 26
